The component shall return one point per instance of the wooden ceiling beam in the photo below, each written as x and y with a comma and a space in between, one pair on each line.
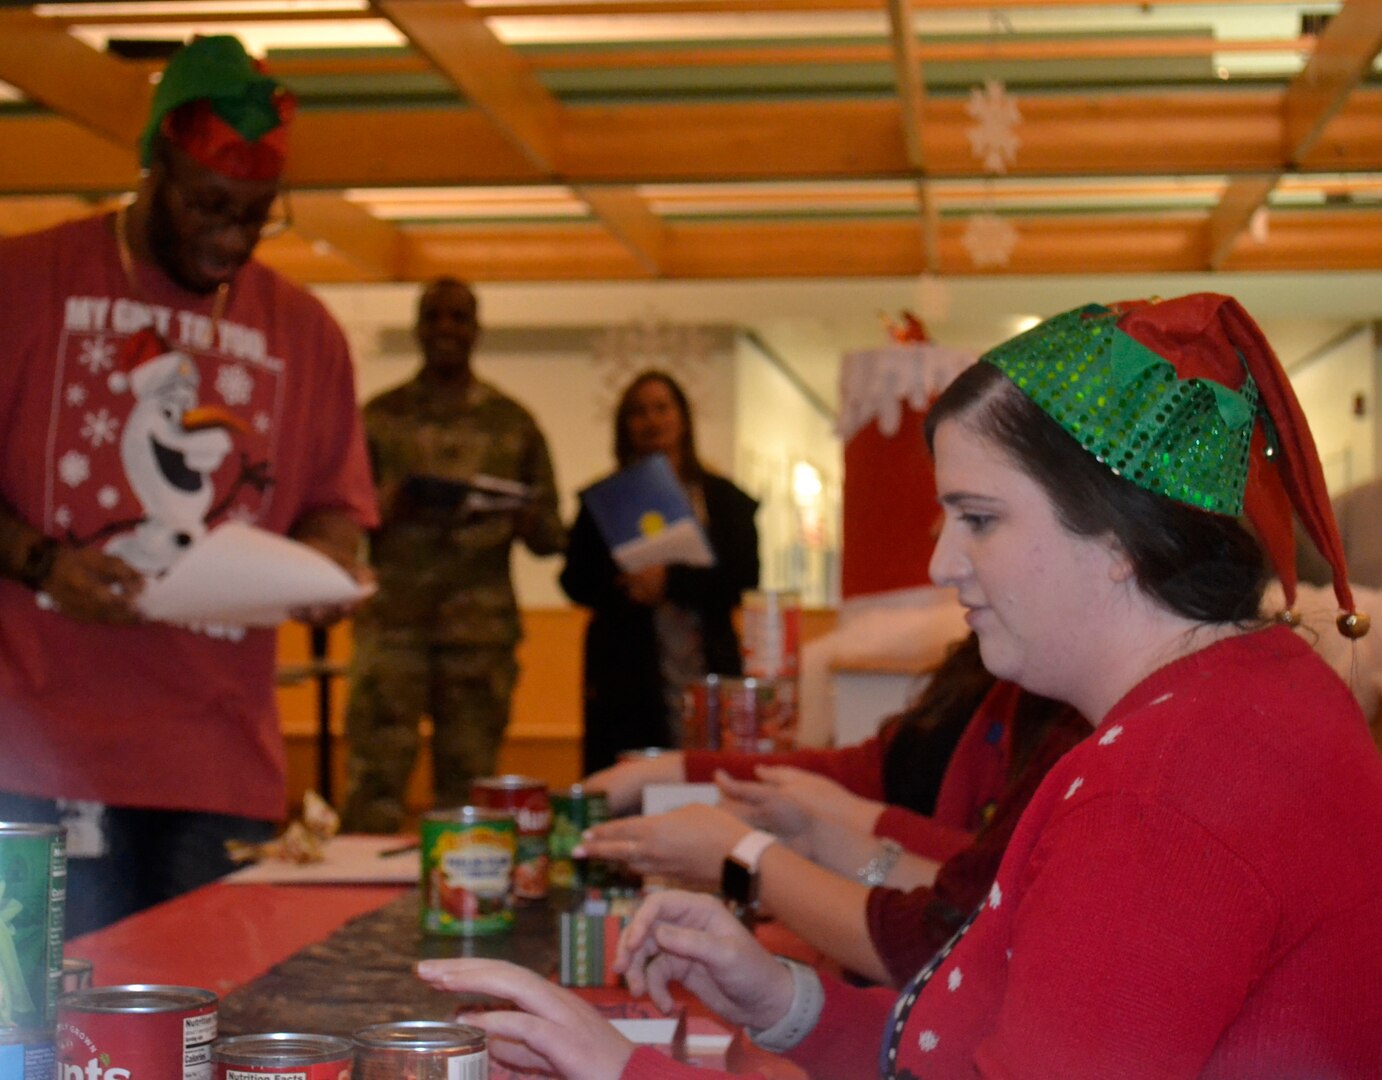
911, 96
488, 73
1341, 59
508, 10
68, 76
627, 215
351, 231
1132, 243
1063, 136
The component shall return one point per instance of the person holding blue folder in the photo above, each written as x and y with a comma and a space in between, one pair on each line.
656, 629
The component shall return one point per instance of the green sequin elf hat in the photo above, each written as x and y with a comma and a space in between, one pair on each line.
1185, 398
215, 102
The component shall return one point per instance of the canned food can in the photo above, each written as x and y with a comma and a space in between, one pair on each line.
420, 1050
758, 715
467, 870
76, 974
27, 1055
700, 714
772, 634
527, 800
573, 811
287, 1055
33, 898
136, 1031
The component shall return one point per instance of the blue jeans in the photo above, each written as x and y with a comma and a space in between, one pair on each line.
151, 856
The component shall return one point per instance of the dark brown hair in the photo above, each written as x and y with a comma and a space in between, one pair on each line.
1199, 565
691, 467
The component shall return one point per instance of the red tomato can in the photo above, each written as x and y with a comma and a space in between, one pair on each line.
129, 1032
526, 799
286, 1055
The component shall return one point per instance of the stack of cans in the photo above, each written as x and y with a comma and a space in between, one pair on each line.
33, 894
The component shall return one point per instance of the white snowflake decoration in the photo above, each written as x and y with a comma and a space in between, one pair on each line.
63, 517
956, 977
993, 139
262, 423
995, 895
100, 428
929, 1040
1075, 786
74, 468
75, 395
108, 497
1109, 737
97, 355
989, 239
234, 384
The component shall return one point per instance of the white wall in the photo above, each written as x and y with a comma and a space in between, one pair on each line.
1328, 387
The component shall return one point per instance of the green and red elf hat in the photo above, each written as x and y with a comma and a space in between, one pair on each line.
216, 103
1185, 398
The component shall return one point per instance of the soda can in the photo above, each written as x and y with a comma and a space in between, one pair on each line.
467, 870
33, 899
135, 1031
573, 811
421, 1050
286, 1055
526, 799
27, 1055
758, 715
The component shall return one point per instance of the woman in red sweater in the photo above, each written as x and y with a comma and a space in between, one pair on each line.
1194, 891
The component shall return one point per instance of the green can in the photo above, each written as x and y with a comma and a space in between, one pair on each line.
467, 871
33, 898
573, 811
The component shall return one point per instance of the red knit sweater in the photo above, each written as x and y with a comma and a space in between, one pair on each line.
1195, 891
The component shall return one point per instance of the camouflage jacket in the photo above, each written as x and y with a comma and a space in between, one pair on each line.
442, 564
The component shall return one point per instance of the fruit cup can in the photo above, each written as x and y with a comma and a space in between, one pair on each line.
527, 800
467, 871
421, 1050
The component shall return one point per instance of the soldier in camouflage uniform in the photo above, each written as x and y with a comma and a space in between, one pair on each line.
439, 636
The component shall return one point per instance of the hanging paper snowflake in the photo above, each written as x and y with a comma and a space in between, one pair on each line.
989, 239
993, 138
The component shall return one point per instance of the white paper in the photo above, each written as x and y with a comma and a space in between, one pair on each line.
660, 798
239, 575
681, 542
347, 860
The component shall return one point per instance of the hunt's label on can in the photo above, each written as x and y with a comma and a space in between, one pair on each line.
573, 811
134, 1032
284, 1055
467, 870
33, 896
27, 1056
526, 799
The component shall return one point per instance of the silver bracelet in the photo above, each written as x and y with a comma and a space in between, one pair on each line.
876, 870
808, 999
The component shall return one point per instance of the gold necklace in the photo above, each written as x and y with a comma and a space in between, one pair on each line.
122, 246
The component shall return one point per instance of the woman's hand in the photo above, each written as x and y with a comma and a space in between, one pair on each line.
689, 843
692, 939
790, 802
623, 784
647, 586
552, 1030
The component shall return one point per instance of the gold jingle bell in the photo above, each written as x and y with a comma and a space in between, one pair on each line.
1354, 624
1291, 617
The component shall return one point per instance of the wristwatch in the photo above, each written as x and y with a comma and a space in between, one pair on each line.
739, 875
38, 563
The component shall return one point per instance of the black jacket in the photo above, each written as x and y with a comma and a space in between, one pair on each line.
624, 707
